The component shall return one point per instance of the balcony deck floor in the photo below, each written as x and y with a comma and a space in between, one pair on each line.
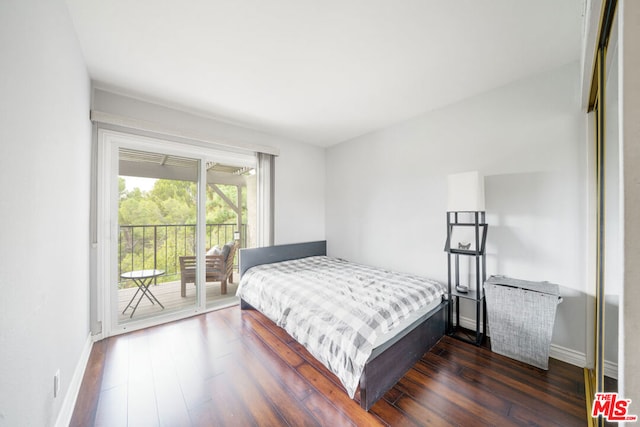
168, 294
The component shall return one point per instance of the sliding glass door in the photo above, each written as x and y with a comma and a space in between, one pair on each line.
174, 217
157, 230
231, 214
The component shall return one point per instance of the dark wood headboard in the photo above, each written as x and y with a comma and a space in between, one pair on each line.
270, 254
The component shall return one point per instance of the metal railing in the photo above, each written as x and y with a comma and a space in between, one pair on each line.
160, 247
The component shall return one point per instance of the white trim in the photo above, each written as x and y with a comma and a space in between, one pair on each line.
611, 369
169, 131
568, 355
178, 148
558, 352
109, 143
580, 359
70, 398
468, 323
104, 246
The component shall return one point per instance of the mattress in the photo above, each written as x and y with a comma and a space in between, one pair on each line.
402, 326
339, 311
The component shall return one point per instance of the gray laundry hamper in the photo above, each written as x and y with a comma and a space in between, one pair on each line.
521, 316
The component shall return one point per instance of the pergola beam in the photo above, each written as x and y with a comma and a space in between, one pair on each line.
151, 170
227, 200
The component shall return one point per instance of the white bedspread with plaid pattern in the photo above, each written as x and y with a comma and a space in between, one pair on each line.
334, 308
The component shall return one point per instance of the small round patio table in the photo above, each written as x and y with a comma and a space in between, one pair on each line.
142, 279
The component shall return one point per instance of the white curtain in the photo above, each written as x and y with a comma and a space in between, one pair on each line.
266, 173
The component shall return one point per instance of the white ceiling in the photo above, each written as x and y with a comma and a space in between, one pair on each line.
321, 71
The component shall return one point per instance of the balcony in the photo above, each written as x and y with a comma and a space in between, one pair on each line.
146, 247
169, 295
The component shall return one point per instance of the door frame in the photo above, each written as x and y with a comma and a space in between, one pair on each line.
108, 143
597, 100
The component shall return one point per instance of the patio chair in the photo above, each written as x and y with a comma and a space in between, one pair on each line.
219, 268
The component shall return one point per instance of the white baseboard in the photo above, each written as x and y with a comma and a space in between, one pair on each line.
69, 402
468, 323
568, 355
557, 352
611, 369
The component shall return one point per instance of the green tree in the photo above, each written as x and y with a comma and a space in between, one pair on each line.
172, 204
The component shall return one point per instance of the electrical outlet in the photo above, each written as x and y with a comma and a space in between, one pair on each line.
56, 384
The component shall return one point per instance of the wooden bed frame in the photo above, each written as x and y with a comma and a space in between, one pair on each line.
388, 362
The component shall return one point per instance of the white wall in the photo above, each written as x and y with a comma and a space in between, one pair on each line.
300, 193
299, 170
45, 137
386, 191
629, 15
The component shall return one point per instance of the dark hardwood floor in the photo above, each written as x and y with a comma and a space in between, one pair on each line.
237, 368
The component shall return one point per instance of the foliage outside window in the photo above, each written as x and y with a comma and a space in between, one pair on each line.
159, 225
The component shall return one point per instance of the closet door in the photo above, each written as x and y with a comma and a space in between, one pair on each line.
611, 202
157, 235
604, 104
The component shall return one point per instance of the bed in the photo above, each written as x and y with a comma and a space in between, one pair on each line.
368, 344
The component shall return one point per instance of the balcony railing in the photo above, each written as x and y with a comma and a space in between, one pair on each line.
160, 247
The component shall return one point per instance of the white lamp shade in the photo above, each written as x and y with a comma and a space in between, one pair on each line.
465, 192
